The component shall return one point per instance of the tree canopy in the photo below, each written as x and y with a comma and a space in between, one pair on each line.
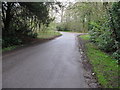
100, 19
24, 19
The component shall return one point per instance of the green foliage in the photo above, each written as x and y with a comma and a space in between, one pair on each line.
78, 15
48, 34
9, 48
7, 42
101, 35
105, 42
85, 37
94, 31
61, 28
115, 11
116, 54
115, 14
100, 19
107, 77
22, 20
106, 33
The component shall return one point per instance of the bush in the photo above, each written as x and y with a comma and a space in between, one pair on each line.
6, 42
106, 32
61, 28
117, 55
105, 42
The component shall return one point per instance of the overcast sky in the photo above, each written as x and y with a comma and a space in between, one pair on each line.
58, 14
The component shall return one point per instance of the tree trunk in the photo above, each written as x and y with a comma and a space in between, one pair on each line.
8, 17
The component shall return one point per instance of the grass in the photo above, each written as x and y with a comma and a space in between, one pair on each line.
48, 34
8, 48
41, 35
105, 67
85, 37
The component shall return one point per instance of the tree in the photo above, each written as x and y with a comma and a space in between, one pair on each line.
23, 19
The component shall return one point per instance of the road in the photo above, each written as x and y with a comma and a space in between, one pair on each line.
52, 64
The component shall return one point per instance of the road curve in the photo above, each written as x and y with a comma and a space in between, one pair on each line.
53, 64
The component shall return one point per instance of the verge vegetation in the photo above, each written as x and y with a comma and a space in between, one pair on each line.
24, 22
48, 34
100, 19
106, 68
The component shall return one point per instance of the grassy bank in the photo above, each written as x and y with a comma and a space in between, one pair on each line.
105, 67
9, 48
48, 34
41, 35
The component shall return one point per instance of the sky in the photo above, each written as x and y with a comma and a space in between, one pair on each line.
58, 15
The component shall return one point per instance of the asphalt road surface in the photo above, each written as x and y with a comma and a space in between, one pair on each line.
53, 64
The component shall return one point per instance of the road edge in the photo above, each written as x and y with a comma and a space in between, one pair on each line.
89, 75
39, 41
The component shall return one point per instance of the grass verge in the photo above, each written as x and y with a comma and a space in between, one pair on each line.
104, 66
85, 37
42, 36
8, 48
48, 34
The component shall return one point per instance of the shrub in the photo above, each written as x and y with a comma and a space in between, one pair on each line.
106, 33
